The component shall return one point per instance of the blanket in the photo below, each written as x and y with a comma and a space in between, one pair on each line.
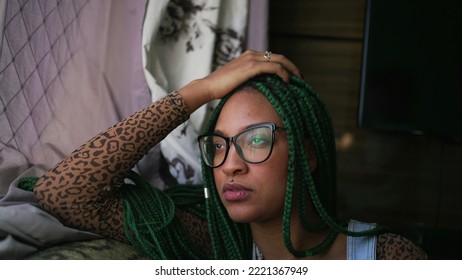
25, 228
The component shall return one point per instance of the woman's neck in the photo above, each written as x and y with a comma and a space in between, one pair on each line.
269, 239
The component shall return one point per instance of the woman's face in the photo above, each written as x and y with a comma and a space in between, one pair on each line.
251, 192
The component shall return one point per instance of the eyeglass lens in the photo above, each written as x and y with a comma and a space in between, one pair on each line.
253, 145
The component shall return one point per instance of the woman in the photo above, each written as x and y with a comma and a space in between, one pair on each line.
268, 170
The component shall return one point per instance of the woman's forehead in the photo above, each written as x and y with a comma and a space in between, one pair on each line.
244, 108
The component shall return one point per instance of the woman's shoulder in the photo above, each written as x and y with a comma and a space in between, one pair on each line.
391, 246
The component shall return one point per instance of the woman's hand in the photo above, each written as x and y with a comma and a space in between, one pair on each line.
228, 77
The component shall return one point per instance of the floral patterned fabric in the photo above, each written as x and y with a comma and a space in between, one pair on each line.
185, 40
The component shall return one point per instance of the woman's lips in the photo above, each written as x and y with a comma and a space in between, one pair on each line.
235, 192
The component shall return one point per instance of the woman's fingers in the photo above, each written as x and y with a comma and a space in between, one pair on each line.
283, 61
272, 59
247, 66
234, 73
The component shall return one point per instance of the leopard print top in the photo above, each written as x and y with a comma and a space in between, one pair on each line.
82, 190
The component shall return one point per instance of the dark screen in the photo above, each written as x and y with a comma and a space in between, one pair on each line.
411, 77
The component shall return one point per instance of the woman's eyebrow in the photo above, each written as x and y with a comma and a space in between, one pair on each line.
219, 132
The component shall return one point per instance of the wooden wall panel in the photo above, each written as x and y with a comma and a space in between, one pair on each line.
407, 182
329, 18
332, 68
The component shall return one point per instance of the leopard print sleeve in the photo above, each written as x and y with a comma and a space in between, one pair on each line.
82, 190
396, 247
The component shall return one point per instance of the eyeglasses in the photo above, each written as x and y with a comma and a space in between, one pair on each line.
254, 144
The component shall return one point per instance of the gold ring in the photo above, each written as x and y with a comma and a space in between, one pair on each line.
267, 56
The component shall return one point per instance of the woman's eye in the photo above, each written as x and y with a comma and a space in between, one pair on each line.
258, 141
218, 146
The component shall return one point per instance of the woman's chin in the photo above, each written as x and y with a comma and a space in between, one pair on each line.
240, 216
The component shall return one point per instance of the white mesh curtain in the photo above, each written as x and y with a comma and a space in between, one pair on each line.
71, 68
68, 69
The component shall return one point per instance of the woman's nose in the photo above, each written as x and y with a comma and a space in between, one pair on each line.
233, 164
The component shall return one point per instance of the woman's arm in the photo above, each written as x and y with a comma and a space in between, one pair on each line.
396, 247
82, 190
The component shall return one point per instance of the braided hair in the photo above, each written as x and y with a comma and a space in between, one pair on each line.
304, 116
152, 227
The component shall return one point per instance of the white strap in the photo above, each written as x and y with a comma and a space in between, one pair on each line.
361, 248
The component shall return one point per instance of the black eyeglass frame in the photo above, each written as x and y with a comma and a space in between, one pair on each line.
232, 139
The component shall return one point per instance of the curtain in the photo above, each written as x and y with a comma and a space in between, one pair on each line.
71, 68
68, 70
258, 25
185, 40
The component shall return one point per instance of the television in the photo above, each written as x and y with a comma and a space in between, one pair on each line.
411, 71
